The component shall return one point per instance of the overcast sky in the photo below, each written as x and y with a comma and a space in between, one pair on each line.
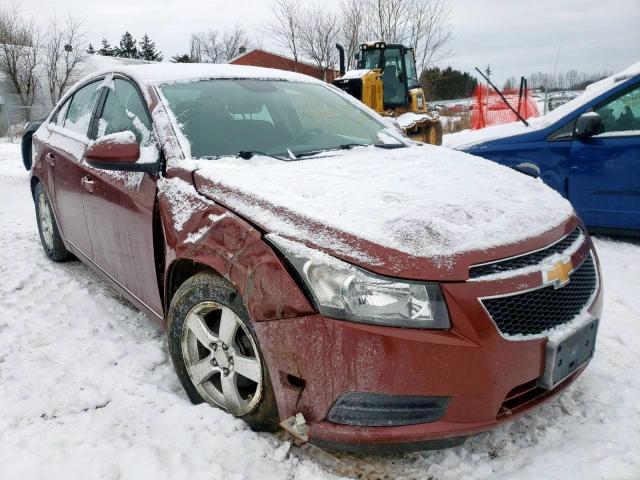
513, 36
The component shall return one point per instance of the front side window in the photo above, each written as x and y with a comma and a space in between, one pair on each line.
62, 113
621, 116
412, 76
124, 111
225, 117
80, 109
393, 78
370, 59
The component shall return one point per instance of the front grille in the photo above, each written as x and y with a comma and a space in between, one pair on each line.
527, 260
536, 311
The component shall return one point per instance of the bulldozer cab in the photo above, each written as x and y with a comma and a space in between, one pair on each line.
398, 67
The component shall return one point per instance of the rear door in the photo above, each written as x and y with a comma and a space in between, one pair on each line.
604, 180
119, 205
67, 141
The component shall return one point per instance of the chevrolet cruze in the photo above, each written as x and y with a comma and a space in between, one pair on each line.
313, 267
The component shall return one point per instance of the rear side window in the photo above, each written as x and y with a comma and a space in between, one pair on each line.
80, 109
124, 111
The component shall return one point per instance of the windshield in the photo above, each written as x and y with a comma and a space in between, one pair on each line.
274, 117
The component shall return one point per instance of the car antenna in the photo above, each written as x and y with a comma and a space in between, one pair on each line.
520, 117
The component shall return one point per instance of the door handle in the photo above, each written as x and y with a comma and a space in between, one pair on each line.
88, 184
51, 159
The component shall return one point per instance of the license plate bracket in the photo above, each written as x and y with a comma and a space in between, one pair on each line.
567, 352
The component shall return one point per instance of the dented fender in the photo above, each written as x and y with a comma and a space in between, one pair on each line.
200, 230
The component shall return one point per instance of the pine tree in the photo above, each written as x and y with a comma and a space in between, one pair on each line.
90, 50
148, 50
184, 58
127, 48
106, 49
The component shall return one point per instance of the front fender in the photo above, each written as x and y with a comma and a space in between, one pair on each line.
201, 231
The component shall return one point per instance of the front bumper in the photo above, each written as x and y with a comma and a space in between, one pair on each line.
487, 378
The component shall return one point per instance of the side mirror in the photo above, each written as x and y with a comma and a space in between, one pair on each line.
588, 124
527, 168
117, 151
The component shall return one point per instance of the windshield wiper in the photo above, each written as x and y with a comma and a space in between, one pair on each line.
247, 154
389, 146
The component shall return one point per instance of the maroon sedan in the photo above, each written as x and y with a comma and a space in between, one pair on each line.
313, 267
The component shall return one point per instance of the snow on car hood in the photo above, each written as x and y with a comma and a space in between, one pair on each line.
423, 201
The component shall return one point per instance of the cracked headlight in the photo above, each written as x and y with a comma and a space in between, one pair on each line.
344, 291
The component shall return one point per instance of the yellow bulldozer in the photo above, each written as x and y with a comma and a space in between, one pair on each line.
386, 81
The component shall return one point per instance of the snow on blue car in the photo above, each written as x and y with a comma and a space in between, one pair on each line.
588, 149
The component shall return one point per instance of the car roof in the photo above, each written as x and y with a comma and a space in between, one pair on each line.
162, 73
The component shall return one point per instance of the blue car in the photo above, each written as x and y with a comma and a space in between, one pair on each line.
588, 150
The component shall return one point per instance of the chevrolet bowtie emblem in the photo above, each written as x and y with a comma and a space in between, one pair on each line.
558, 275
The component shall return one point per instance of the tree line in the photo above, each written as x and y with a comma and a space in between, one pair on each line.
129, 48
570, 80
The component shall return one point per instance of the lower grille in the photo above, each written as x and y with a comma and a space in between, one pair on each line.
536, 311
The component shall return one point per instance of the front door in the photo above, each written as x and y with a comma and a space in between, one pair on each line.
67, 141
119, 205
604, 181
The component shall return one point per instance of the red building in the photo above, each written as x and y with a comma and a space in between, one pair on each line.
262, 58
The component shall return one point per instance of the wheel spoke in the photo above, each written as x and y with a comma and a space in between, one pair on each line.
201, 371
228, 326
232, 398
196, 325
247, 367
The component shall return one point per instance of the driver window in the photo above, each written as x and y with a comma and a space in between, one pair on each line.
124, 110
621, 116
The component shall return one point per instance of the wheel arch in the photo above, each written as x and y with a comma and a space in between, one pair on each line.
180, 270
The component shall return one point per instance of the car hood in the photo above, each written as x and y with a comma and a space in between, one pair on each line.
413, 212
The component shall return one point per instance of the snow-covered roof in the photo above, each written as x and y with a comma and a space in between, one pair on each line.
301, 61
424, 201
469, 138
159, 73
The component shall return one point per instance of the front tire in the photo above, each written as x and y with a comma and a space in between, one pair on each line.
215, 351
48, 228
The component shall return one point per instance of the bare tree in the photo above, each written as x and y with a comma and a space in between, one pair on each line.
218, 47
318, 33
352, 18
421, 24
285, 27
63, 55
430, 32
19, 50
572, 78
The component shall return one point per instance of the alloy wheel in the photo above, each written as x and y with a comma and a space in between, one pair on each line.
222, 358
46, 220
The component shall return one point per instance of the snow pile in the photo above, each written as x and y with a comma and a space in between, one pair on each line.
424, 201
410, 119
88, 390
468, 138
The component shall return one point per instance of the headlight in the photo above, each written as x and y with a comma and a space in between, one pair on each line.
343, 291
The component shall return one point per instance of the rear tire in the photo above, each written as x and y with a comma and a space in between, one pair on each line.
48, 228
215, 351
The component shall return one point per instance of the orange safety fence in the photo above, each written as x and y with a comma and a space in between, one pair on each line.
489, 109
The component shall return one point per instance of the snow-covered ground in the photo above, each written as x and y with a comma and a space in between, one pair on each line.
87, 389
